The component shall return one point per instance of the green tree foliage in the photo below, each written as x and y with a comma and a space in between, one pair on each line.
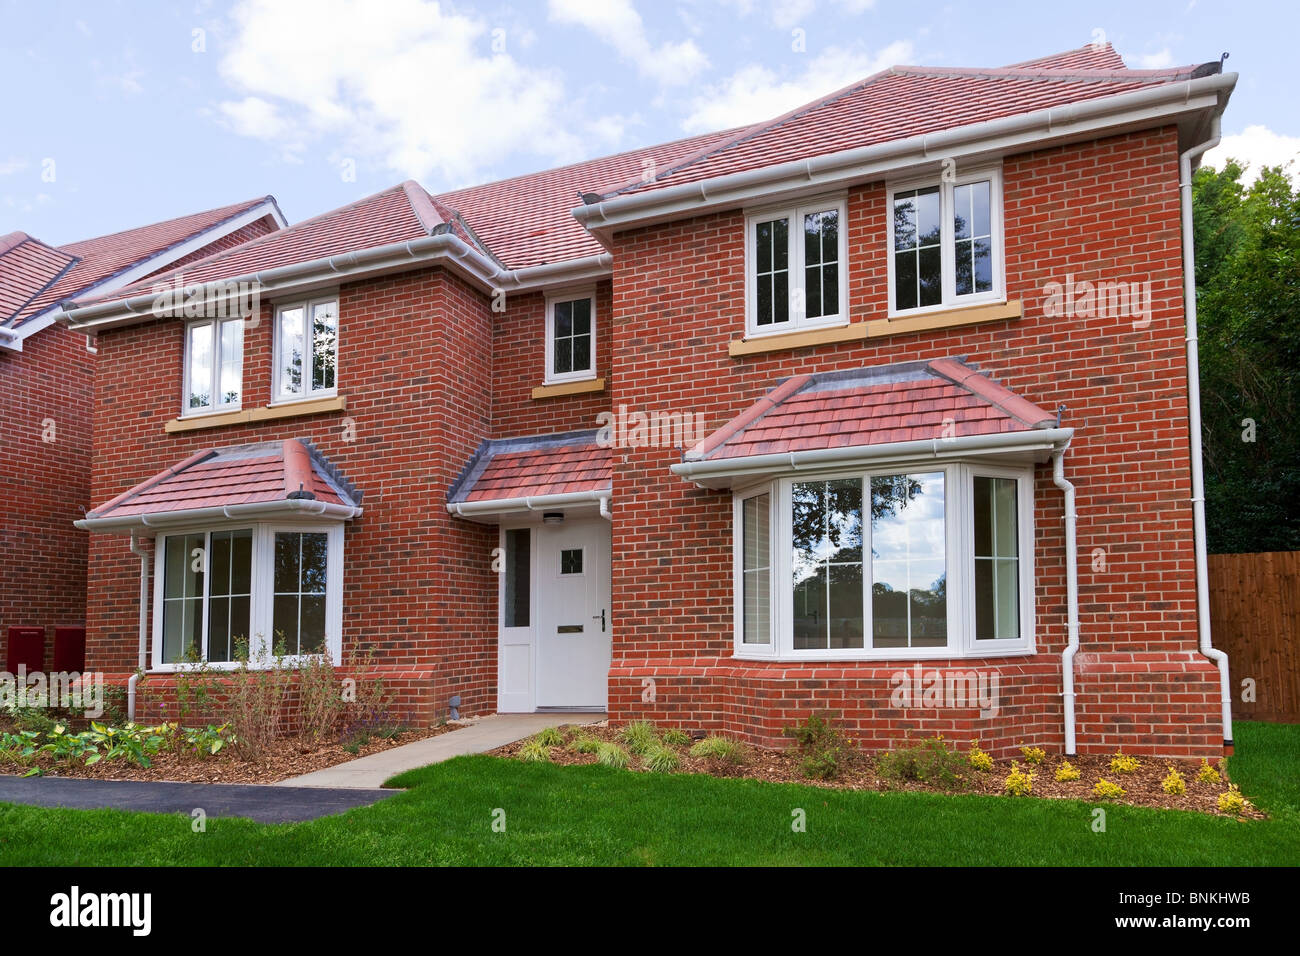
1248, 306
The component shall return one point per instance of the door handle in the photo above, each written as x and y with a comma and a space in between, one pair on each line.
601, 615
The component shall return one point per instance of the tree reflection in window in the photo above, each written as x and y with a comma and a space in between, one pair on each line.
298, 622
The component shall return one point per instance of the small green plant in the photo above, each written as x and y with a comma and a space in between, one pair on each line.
662, 759
676, 737
1232, 802
1033, 755
1173, 784
612, 755
1207, 774
821, 744
978, 759
722, 748
550, 737
206, 741
638, 736
1067, 772
1019, 783
1123, 763
1105, 790
584, 744
929, 762
535, 752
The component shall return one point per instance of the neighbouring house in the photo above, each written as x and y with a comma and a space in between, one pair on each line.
47, 391
881, 407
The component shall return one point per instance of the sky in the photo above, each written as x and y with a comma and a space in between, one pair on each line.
122, 113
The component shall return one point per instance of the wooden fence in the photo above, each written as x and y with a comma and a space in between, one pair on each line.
1255, 617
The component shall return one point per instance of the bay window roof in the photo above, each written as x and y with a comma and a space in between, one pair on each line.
571, 469
944, 408
274, 479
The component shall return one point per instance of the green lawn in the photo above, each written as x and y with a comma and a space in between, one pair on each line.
596, 815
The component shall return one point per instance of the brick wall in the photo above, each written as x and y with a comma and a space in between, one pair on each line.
1101, 210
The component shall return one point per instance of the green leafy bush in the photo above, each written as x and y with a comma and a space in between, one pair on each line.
929, 762
822, 745
550, 737
638, 736
612, 755
722, 748
662, 759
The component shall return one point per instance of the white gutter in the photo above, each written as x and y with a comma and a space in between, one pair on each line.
330, 270
1136, 108
1071, 597
720, 470
144, 626
1194, 428
470, 509
263, 509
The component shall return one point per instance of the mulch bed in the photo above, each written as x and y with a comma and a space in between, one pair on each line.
858, 771
290, 757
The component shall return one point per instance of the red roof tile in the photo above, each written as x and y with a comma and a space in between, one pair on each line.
910, 401
243, 474
27, 267
532, 467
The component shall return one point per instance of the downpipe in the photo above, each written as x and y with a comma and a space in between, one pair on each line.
144, 625
1071, 597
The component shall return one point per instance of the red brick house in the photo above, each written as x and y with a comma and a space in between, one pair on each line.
46, 390
815, 414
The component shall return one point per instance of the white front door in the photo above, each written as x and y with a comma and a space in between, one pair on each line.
573, 623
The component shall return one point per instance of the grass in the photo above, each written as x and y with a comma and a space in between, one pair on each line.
595, 815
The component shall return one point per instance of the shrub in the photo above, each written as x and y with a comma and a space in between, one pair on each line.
1105, 790
821, 744
584, 744
321, 700
723, 748
977, 758
929, 762
639, 736
1033, 755
1173, 784
1019, 783
676, 737
1123, 763
1232, 802
369, 712
662, 759
535, 752
550, 737
207, 741
612, 755
1067, 772
1207, 774
256, 701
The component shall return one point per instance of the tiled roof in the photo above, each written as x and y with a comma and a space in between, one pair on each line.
531, 467
243, 474
905, 101
909, 401
27, 267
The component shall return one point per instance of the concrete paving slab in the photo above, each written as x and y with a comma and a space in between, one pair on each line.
484, 734
260, 802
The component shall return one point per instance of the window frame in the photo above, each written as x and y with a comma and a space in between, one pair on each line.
947, 242
795, 213
278, 395
549, 376
261, 603
187, 381
768, 650
959, 536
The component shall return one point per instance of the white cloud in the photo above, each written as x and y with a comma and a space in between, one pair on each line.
755, 92
1155, 61
617, 23
12, 165
1255, 147
406, 84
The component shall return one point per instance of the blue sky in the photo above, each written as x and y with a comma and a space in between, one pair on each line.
122, 113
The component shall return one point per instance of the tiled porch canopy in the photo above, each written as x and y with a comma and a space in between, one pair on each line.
908, 411
536, 473
266, 480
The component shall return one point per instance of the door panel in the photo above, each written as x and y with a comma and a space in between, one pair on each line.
573, 636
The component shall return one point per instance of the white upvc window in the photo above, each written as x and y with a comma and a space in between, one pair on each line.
306, 349
945, 242
265, 588
796, 267
570, 336
214, 357
932, 561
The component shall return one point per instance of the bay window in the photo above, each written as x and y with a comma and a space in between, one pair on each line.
885, 564
306, 350
945, 242
213, 365
262, 589
795, 259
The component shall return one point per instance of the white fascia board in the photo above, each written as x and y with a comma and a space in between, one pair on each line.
257, 511
1037, 443
977, 142
503, 506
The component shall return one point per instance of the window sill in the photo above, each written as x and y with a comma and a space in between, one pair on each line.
945, 318
852, 332
313, 406
888, 656
569, 388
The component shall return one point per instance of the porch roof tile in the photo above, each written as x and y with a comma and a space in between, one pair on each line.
531, 467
